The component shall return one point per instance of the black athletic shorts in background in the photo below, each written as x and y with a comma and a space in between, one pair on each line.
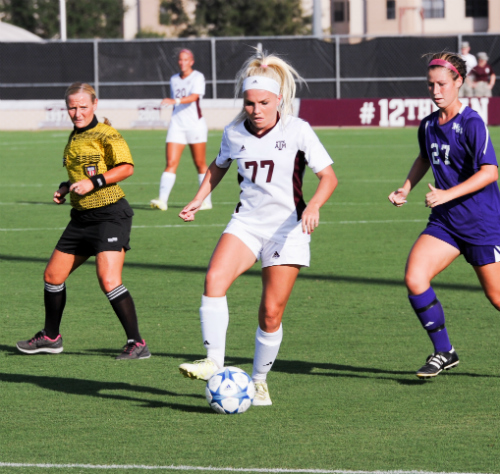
98, 230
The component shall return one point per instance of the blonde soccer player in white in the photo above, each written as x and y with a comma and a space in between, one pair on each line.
271, 222
187, 127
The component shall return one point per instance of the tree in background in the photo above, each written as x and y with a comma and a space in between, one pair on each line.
236, 18
85, 18
250, 18
172, 13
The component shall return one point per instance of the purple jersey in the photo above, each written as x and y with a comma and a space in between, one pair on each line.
457, 150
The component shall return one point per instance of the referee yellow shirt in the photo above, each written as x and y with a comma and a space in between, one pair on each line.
94, 151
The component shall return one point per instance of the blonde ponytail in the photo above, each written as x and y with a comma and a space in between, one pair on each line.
273, 67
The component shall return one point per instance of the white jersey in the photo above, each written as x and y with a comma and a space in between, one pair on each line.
187, 115
470, 61
270, 173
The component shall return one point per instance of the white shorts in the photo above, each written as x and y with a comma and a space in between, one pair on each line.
270, 253
187, 136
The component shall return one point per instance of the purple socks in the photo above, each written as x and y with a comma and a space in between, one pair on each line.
431, 315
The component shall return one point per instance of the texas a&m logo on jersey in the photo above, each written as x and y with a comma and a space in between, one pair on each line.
90, 171
280, 144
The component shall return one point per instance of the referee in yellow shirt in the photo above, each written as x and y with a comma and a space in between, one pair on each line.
97, 159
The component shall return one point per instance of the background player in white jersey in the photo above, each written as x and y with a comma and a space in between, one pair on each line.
465, 203
187, 127
271, 222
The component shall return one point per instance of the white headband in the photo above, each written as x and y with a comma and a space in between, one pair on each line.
262, 83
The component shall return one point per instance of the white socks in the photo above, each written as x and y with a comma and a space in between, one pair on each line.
214, 318
166, 184
208, 199
267, 345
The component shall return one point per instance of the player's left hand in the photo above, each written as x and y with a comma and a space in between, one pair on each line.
435, 197
82, 187
310, 220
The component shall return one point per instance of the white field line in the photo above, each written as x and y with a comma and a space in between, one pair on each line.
56, 138
210, 468
190, 225
155, 183
34, 142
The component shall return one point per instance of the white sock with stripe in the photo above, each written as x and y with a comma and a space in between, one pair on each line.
267, 346
214, 318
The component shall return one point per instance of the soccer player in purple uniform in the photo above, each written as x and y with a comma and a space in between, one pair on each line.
465, 204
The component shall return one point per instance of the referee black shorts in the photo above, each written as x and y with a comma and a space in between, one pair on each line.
87, 237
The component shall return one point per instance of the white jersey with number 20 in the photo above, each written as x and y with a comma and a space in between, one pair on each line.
270, 173
187, 115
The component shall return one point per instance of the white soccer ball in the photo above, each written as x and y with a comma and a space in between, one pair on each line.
230, 391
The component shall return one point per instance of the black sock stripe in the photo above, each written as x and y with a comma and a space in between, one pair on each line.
425, 308
118, 291
54, 288
440, 328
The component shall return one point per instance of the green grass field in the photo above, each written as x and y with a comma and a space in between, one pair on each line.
344, 391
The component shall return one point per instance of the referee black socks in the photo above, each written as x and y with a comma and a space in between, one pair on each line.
55, 300
124, 307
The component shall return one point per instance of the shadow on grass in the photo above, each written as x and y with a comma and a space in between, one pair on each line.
305, 275
292, 367
327, 369
94, 388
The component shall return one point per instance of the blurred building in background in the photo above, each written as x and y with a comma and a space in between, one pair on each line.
350, 17
152, 16
410, 17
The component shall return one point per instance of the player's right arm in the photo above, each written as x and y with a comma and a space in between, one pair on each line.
420, 166
213, 177
215, 172
417, 172
180, 100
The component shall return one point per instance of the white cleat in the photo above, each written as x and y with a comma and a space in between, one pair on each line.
262, 397
205, 205
158, 204
199, 369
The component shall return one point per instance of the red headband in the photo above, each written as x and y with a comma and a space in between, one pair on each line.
444, 63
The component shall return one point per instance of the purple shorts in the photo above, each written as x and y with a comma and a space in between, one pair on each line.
476, 255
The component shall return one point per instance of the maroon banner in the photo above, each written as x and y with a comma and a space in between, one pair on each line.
385, 112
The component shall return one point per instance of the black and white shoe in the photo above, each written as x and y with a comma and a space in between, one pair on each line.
438, 362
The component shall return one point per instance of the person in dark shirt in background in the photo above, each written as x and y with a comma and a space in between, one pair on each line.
483, 77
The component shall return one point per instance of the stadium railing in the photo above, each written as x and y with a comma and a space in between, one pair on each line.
340, 66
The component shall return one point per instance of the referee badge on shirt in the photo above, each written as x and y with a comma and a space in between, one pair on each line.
90, 171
